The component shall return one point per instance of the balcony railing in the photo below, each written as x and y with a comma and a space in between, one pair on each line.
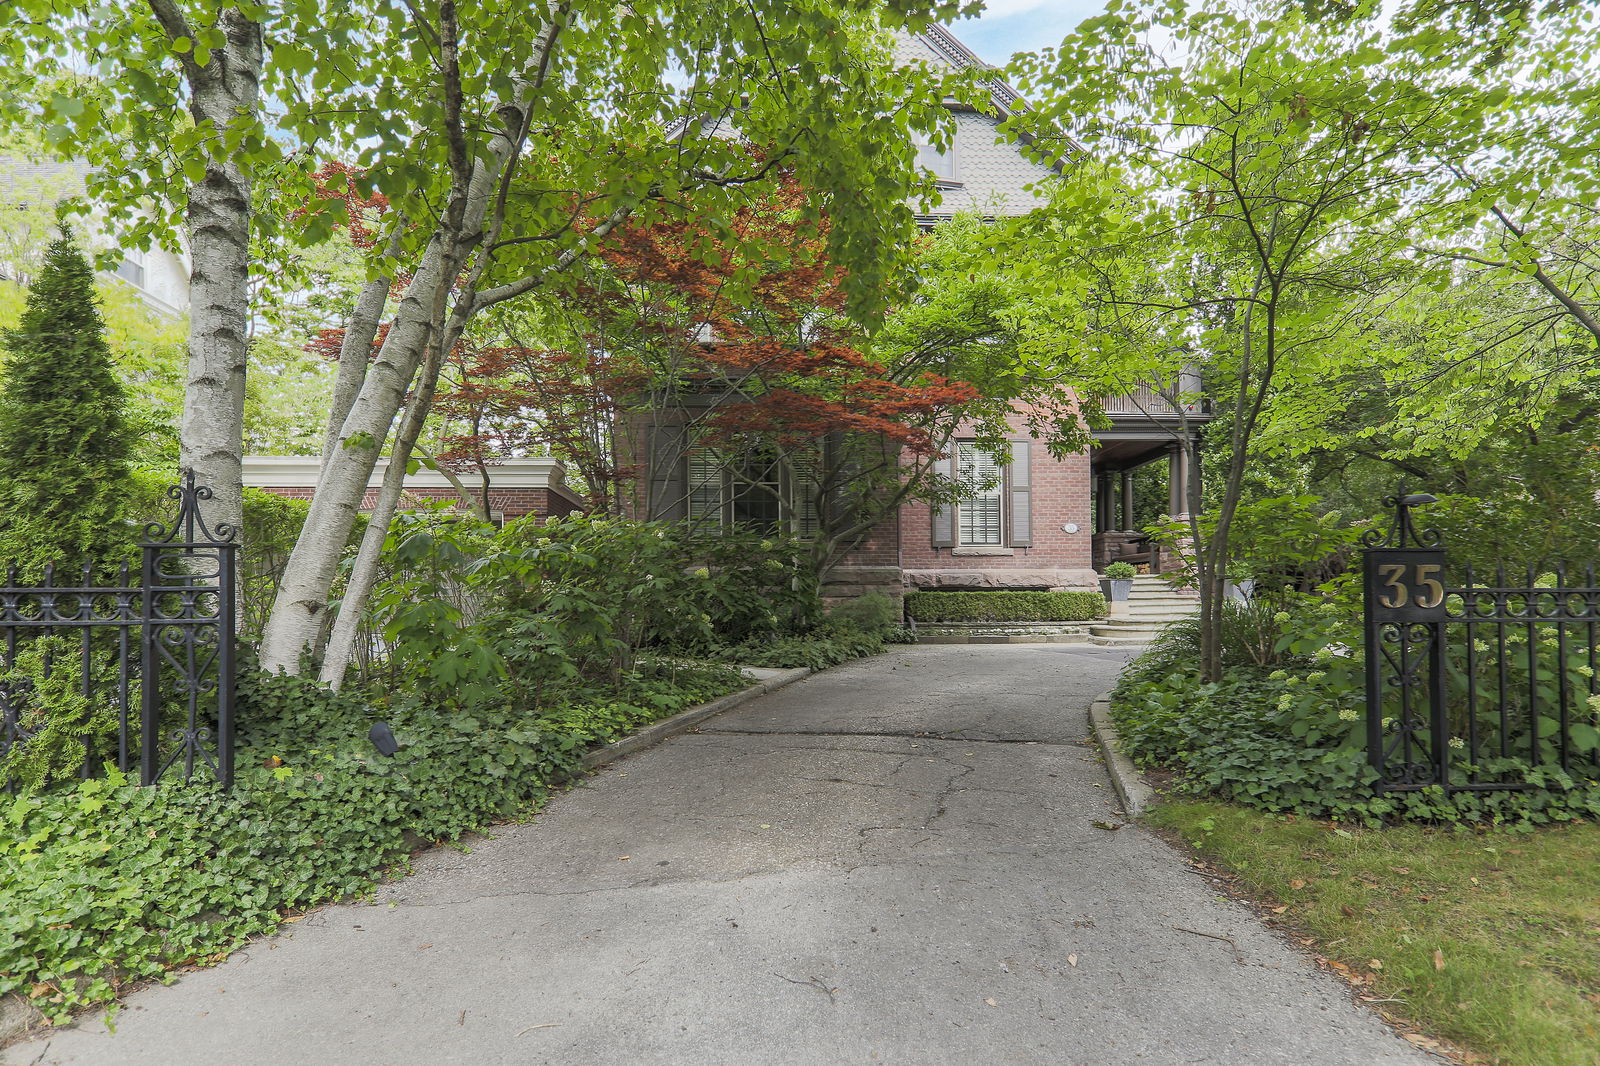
1146, 401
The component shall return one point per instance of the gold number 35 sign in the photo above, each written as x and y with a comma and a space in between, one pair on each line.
1406, 585
1422, 587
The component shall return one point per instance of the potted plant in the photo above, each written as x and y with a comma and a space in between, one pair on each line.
1117, 581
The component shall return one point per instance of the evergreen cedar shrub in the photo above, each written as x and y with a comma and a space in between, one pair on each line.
1071, 605
64, 439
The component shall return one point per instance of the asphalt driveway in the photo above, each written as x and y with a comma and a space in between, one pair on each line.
894, 862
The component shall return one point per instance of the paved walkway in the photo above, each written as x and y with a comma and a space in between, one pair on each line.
894, 862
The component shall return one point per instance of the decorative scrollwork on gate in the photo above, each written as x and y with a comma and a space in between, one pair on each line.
158, 649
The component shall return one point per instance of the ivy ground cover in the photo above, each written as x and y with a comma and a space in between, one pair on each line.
105, 883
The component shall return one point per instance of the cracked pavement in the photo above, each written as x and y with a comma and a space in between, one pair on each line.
892, 862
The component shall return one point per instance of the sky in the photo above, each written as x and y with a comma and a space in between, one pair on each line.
1010, 26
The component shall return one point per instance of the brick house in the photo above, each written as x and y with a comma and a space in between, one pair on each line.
1035, 522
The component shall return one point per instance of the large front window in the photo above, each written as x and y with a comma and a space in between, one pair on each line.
979, 514
762, 492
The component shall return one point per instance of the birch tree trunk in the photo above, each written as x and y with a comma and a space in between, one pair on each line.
295, 626
364, 572
223, 92
355, 351
296, 622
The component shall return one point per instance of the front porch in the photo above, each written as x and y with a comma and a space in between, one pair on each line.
1146, 428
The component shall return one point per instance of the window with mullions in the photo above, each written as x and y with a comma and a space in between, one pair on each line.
762, 493
978, 515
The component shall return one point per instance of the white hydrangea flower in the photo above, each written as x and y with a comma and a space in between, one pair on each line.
1457, 742
1586, 670
1349, 714
1281, 617
1278, 675
1594, 704
1316, 675
1285, 702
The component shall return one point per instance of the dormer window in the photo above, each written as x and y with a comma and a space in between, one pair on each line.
941, 161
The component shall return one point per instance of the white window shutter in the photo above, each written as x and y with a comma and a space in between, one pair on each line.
944, 518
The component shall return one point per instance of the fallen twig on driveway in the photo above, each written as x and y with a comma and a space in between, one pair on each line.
813, 982
1238, 955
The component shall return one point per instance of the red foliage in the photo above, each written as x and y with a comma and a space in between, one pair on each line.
337, 181
797, 381
530, 401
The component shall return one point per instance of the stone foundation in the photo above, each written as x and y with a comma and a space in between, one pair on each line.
846, 583
1004, 578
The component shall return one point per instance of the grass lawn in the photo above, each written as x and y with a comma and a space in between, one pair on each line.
1489, 940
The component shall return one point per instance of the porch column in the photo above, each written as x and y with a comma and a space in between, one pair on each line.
1177, 482
1102, 503
1127, 499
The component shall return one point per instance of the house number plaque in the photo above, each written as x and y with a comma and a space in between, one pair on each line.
1405, 584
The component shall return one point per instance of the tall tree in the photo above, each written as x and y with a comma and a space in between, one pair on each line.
1266, 223
175, 133
64, 441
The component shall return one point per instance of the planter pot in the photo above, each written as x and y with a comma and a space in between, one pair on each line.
1116, 588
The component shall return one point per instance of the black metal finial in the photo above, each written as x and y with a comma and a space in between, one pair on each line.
189, 526
1402, 531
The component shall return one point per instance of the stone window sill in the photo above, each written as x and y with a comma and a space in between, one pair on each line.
981, 551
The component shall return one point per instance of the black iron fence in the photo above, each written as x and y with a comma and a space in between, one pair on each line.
136, 669
1476, 685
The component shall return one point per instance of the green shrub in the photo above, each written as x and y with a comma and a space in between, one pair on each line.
1071, 605
829, 644
1120, 571
485, 615
64, 437
873, 611
1293, 739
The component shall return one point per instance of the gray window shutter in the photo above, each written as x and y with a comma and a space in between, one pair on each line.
1019, 478
944, 518
667, 484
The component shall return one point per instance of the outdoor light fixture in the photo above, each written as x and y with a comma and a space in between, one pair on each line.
382, 738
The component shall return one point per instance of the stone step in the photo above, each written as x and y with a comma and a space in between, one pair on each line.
1163, 601
1161, 613
1116, 630
1119, 642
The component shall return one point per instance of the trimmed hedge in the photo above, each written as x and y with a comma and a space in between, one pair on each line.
1071, 605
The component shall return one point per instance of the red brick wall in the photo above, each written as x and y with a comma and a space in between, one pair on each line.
1061, 495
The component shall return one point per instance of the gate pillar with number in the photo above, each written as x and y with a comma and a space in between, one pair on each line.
1404, 592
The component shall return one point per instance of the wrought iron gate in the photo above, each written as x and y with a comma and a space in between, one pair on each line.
165, 642
1475, 686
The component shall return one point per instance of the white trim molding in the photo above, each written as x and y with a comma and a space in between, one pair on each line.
302, 471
